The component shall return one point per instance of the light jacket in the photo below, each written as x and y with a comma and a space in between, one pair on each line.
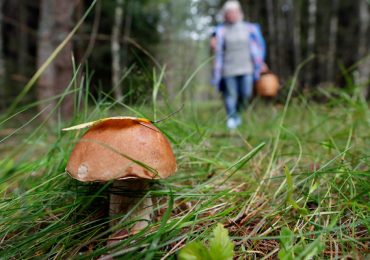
257, 50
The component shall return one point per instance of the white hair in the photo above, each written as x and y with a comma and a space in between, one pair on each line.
232, 5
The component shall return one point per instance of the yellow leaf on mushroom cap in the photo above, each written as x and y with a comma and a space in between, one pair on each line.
96, 122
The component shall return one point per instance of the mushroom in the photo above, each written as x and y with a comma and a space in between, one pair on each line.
128, 151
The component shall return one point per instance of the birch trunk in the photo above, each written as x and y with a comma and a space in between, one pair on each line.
116, 49
297, 33
333, 31
364, 14
44, 88
126, 36
63, 14
311, 38
363, 77
54, 25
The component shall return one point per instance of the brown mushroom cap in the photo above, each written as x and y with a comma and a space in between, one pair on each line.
121, 148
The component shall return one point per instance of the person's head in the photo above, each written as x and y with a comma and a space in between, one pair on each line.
232, 12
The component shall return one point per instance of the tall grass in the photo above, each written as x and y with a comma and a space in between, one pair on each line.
293, 181
311, 183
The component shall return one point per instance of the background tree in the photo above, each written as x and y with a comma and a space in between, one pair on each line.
55, 24
23, 37
297, 32
311, 38
116, 48
45, 88
363, 78
271, 38
333, 33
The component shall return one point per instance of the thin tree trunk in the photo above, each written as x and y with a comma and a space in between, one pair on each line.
63, 14
45, 47
297, 33
363, 77
289, 24
94, 32
55, 23
2, 62
311, 39
169, 79
23, 38
281, 39
333, 31
116, 49
79, 46
126, 35
272, 33
363, 38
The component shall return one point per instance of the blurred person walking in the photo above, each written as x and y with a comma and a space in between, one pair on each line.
240, 52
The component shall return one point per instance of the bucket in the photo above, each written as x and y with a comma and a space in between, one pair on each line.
268, 85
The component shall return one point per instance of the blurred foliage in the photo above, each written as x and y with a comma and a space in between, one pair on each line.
174, 34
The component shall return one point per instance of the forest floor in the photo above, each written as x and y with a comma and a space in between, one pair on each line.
292, 182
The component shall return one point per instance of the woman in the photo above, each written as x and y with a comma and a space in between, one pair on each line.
239, 59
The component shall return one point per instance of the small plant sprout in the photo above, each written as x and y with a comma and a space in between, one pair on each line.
128, 151
220, 247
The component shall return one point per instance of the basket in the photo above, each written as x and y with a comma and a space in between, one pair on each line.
268, 85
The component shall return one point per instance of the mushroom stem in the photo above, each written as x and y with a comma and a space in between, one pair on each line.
125, 195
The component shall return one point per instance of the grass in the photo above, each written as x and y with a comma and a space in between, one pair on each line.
302, 173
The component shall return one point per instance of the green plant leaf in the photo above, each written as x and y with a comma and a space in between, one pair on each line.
194, 251
290, 187
286, 237
221, 247
286, 255
286, 244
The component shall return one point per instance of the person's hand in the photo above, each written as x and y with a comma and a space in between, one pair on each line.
264, 68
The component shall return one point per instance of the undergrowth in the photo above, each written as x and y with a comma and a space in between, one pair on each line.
292, 182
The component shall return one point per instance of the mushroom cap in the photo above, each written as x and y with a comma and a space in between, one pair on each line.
268, 85
121, 148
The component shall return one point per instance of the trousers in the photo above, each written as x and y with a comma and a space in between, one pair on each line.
236, 92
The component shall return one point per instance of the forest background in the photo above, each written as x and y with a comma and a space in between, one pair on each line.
129, 39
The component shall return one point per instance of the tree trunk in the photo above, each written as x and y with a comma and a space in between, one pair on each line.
272, 34
333, 31
54, 26
297, 33
116, 49
364, 14
22, 38
63, 63
311, 38
79, 45
289, 25
45, 88
282, 39
126, 35
2, 62
363, 77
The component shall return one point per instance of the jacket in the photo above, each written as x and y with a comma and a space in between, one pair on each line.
257, 50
